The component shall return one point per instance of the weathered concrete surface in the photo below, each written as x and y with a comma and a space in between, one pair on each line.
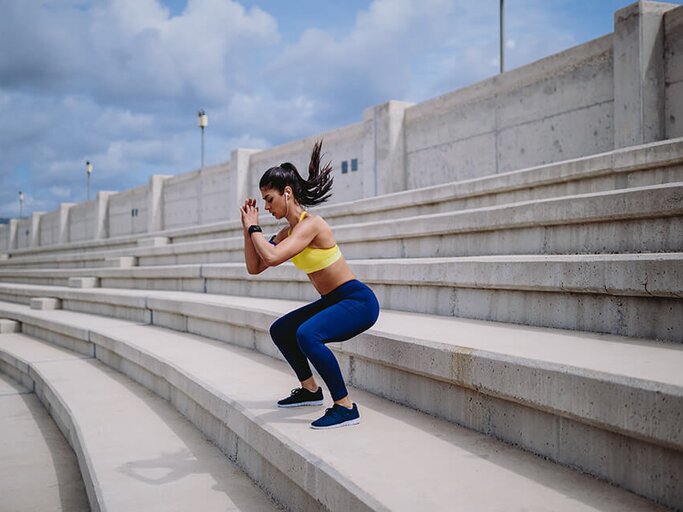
217, 390
615, 91
7, 326
639, 73
84, 282
136, 452
651, 164
609, 293
38, 469
559, 394
46, 303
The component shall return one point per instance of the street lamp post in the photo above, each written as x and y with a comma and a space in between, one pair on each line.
88, 171
502, 36
202, 121
21, 204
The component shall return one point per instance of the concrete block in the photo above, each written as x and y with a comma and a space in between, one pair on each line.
84, 282
7, 326
4, 257
46, 303
155, 241
121, 262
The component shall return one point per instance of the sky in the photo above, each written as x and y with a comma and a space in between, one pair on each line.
119, 82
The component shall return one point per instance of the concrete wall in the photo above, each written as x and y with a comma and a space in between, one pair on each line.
620, 90
128, 212
4, 237
551, 110
673, 55
180, 200
81, 223
214, 188
343, 144
23, 234
49, 230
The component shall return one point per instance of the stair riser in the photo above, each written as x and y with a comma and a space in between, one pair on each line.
290, 478
544, 228
645, 235
61, 415
644, 468
620, 315
624, 408
590, 311
600, 452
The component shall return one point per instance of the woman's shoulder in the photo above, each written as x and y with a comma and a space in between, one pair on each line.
315, 221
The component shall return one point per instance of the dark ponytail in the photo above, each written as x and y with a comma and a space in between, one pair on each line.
309, 192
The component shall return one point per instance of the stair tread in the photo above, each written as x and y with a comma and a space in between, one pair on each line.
144, 454
38, 469
626, 357
398, 457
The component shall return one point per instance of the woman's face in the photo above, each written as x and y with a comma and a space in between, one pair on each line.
275, 202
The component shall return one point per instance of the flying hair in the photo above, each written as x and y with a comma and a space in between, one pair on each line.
310, 192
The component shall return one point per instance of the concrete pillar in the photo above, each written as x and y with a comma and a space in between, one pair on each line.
34, 240
102, 214
155, 203
639, 74
240, 160
384, 148
63, 235
12, 235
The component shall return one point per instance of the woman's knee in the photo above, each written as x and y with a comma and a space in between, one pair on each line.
281, 331
307, 339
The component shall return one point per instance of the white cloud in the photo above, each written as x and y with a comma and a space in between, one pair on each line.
118, 82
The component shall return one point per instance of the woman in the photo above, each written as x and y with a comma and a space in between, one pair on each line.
346, 307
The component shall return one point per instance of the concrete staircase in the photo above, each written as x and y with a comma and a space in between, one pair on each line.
134, 450
399, 459
540, 310
38, 470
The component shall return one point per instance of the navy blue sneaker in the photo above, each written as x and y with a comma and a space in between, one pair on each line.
302, 396
337, 416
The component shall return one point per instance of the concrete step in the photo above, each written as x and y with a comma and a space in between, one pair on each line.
135, 451
619, 294
638, 166
641, 219
397, 459
562, 395
648, 219
38, 469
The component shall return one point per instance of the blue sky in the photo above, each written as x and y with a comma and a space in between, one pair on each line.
119, 82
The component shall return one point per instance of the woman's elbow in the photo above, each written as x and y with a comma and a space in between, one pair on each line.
271, 261
254, 270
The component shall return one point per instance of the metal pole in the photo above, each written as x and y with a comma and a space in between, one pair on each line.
202, 147
502, 37
88, 172
21, 205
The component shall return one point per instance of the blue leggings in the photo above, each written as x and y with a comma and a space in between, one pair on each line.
339, 315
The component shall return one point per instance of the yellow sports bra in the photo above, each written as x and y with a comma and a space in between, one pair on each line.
311, 259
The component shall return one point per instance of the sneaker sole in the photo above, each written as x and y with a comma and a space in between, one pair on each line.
347, 423
300, 404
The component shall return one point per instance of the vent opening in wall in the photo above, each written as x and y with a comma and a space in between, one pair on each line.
354, 164
344, 167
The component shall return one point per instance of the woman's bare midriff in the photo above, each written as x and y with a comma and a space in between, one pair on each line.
332, 277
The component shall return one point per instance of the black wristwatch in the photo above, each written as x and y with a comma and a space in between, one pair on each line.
255, 228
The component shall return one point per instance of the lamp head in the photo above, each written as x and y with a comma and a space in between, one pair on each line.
202, 119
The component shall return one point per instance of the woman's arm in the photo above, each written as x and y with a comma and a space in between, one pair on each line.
272, 255
255, 264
